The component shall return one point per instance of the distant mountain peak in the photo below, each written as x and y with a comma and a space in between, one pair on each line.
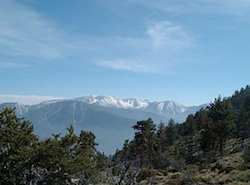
51, 101
19, 108
164, 107
170, 109
110, 101
108, 117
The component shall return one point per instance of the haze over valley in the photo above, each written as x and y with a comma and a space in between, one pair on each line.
110, 118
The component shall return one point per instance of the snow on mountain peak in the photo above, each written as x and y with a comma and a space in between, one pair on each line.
19, 108
110, 101
175, 105
165, 107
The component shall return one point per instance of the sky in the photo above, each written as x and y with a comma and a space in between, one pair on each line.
187, 51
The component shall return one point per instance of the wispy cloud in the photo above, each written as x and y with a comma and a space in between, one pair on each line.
156, 52
7, 65
26, 36
26, 99
128, 65
167, 34
236, 7
25, 33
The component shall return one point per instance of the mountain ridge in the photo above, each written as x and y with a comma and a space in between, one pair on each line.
109, 118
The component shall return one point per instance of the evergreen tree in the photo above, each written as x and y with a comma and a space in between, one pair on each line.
189, 127
17, 142
244, 120
199, 118
146, 141
62, 160
222, 116
161, 133
171, 132
208, 134
239, 101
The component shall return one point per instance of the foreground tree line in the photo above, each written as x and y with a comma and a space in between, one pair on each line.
73, 159
199, 140
24, 159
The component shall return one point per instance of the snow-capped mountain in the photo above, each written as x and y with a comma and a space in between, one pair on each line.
20, 109
166, 108
169, 108
110, 118
110, 101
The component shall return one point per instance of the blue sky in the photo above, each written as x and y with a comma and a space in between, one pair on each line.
187, 51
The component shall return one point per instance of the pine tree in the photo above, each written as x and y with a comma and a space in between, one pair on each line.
208, 134
59, 160
171, 132
146, 141
17, 142
222, 116
239, 101
245, 119
161, 133
191, 126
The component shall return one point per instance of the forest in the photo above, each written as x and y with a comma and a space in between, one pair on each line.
210, 147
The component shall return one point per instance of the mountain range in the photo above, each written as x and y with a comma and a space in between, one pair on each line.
109, 118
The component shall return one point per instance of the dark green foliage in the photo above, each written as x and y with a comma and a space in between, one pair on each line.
218, 125
171, 132
208, 134
161, 134
101, 161
73, 159
241, 105
189, 128
16, 148
208, 130
146, 142
244, 120
222, 116
125, 164
247, 155
56, 161
144, 174
62, 159
161, 161
199, 140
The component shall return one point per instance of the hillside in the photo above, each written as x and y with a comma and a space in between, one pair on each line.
210, 147
109, 118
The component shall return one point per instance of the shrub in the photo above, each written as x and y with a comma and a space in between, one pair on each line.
246, 155
145, 173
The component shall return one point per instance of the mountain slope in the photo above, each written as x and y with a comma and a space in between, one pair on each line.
54, 118
19, 108
164, 110
110, 101
109, 118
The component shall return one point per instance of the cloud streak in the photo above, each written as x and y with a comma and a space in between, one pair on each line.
26, 99
7, 65
30, 38
128, 65
235, 7
25, 33
167, 34
158, 51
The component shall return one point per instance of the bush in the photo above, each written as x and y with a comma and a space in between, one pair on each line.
145, 173
115, 171
164, 172
172, 169
161, 162
243, 176
246, 155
